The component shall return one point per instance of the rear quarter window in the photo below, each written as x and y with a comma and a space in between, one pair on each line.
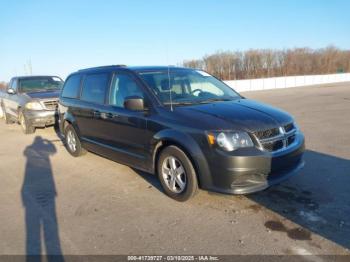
71, 87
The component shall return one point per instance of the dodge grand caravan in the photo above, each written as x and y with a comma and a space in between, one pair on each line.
184, 125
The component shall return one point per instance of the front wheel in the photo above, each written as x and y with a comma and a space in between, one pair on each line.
27, 128
176, 174
72, 142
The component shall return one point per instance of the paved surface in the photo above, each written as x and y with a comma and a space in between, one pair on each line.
91, 205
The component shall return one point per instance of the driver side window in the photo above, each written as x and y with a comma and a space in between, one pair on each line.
13, 85
205, 87
123, 85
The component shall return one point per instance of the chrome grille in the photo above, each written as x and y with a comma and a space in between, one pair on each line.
51, 105
273, 146
275, 139
267, 133
289, 127
291, 139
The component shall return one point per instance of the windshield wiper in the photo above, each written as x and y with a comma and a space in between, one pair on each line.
214, 100
180, 103
33, 90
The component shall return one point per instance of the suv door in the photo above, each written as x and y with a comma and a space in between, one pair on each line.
92, 101
121, 130
11, 103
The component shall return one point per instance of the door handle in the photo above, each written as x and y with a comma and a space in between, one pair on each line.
110, 115
97, 114
104, 115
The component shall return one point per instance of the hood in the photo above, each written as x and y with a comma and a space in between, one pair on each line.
242, 114
44, 94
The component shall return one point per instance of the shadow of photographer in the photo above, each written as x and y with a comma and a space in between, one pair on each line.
38, 198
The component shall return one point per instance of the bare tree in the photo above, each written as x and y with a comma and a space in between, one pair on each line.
257, 63
3, 85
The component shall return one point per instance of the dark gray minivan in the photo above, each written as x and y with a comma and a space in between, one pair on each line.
184, 125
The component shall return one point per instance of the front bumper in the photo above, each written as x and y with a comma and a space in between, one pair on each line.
250, 170
41, 118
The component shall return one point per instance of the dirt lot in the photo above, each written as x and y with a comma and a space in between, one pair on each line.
91, 205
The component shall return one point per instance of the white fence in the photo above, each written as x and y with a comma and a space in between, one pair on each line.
285, 82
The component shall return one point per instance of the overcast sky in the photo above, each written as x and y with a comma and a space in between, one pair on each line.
62, 36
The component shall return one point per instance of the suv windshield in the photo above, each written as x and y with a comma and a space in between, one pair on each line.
184, 86
40, 84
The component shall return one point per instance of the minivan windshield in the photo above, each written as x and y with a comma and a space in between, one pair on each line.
185, 86
39, 84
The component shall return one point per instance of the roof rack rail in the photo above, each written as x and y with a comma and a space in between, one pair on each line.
102, 67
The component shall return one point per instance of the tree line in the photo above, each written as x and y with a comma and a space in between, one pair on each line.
3, 85
261, 63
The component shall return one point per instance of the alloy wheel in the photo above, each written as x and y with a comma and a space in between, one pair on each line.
71, 141
174, 174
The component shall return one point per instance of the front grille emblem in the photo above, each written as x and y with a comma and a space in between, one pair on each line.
277, 138
285, 138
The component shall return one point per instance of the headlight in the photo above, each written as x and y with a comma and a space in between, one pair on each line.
34, 106
230, 141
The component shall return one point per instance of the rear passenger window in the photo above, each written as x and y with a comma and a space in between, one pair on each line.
71, 87
94, 88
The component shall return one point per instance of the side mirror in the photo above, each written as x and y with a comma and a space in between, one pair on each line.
134, 103
11, 91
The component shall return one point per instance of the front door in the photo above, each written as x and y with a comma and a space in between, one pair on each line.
11, 104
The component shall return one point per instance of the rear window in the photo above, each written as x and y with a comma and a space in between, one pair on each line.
71, 87
94, 88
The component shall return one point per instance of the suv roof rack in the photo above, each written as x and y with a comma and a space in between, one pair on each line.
102, 67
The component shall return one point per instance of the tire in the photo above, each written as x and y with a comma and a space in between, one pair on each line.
179, 184
27, 128
1, 111
6, 116
72, 142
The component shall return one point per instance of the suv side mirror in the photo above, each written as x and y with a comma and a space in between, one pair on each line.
134, 103
11, 91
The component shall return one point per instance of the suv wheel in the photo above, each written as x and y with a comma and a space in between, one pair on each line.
72, 142
1, 110
176, 174
5, 115
27, 128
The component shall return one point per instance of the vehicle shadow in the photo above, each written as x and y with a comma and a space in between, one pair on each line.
318, 199
150, 178
38, 197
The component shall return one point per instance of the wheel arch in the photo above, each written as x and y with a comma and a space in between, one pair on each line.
189, 146
68, 119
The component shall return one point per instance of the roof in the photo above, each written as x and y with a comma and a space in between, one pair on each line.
154, 68
131, 68
35, 76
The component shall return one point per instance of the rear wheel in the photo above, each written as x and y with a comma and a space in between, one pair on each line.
26, 126
72, 142
6, 116
176, 174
